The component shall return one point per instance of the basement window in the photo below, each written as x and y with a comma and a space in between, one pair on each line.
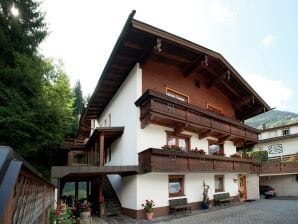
176, 185
219, 183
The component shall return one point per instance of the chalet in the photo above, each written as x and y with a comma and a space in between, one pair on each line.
166, 115
281, 172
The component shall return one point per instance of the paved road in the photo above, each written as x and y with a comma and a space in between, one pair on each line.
258, 212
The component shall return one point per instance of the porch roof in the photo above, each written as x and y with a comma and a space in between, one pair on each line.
110, 134
69, 173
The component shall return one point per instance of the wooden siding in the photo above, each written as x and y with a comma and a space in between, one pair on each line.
158, 76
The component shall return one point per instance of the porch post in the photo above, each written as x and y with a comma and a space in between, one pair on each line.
101, 149
101, 200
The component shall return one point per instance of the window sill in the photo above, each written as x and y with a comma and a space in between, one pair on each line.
176, 195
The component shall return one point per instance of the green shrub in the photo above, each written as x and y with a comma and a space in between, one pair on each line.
260, 156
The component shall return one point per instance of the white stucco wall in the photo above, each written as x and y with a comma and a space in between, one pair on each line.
154, 136
252, 186
155, 186
290, 146
128, 194
284, 185
278, 132
123, 112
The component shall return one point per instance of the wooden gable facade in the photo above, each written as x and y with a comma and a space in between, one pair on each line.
218, 98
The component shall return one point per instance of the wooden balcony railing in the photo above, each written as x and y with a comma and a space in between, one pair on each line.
159, 160
164, 110
25, 196
279, 167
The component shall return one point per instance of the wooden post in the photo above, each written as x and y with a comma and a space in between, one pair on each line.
101, 199
76, 190
101, 177
87, 186
101, 149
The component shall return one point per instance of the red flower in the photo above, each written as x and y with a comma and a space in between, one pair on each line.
57, 212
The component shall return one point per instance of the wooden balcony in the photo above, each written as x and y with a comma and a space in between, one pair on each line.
159, 160
161, 109
279, 168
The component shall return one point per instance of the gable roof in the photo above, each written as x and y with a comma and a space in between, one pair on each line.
137, 43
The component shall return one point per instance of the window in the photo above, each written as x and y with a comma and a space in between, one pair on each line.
80, 158
216, 148
285, 132
214, 109
181, 141
176, 185
219, 183
177, 95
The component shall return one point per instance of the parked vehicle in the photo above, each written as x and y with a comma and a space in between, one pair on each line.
267, 192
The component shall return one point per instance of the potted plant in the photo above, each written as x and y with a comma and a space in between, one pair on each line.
62, 214
219, 153
206, 201
148, 207
85, 211
236, 155
199, 151
172, 148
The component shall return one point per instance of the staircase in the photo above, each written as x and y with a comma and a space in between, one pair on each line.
112, 204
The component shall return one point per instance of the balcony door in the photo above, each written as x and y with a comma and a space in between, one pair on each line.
181, 141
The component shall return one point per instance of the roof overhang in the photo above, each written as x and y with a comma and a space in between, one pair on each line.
137, 43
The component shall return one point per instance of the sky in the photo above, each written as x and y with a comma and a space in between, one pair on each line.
258, 37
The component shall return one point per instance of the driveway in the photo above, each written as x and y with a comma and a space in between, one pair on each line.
257, 212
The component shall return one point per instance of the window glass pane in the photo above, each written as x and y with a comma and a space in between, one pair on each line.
69, 189
82, 190
80, 159
218, 182
171, 94
182, 98
171, 140
214, 148
174, 186
182, 143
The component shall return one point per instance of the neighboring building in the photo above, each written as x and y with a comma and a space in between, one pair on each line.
159, 89
281, 143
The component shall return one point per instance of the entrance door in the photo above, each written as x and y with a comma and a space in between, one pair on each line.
242, 186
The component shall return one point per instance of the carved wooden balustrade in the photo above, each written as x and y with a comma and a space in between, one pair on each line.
161, 109
159, 160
